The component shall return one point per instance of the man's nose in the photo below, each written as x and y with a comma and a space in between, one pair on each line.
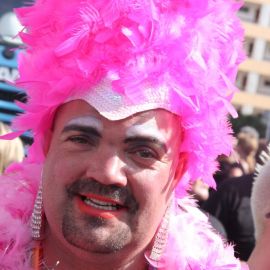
108, 170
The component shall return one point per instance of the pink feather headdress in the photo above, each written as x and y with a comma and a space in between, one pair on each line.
185, 51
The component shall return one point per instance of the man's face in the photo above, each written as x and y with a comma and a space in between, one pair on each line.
107, 183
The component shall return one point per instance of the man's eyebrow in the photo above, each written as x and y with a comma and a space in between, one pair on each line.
82, 128
146, 139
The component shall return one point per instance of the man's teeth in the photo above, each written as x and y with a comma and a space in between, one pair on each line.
100, 204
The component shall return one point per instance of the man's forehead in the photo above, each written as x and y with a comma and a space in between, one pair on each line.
83, 112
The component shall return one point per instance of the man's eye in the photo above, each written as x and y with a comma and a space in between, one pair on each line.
145, 153
80, 139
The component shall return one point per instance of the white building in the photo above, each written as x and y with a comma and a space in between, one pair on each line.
254, 73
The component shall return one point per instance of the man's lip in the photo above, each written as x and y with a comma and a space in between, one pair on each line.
101, 198
96, 212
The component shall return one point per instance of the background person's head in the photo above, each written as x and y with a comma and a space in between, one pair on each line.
10, 151
248, 140
247, 147
260, 197
260, 205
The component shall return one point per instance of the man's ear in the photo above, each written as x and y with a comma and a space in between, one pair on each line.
47, 141
181, 168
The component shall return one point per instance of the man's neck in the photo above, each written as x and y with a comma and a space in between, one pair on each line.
54, 255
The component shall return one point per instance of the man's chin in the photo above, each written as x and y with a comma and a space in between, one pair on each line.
98, 247
99, 239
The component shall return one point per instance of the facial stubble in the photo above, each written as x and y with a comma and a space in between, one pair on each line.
97, 234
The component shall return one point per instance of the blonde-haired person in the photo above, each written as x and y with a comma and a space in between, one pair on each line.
247, 147
260, 205
10, 150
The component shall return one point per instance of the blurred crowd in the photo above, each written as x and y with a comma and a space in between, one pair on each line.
228, 207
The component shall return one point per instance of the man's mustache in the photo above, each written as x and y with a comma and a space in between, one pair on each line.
121, 194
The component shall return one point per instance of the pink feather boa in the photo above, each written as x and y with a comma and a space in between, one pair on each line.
17, 194
192, 243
